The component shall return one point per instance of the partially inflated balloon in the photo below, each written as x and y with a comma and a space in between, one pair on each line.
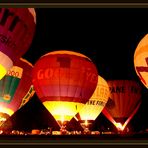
15, 88
141, 60
64, 81
17, 27
123, 103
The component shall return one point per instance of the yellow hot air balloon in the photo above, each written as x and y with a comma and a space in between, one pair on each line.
94, 106
141, 60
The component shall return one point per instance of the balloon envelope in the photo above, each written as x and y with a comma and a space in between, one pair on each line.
64, 81
96, 103
124, 101
16, 88
141, 60
17, 27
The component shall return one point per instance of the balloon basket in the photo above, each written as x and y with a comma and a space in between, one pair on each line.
3, 118
86, 126
63, 130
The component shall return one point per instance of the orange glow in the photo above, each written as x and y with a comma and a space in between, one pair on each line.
86, 123
66, 52
141, 60
119, 126
62, 110
32, 11
27, 62
6, 110
2, 119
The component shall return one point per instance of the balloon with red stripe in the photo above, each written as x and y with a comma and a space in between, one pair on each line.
17, 28
141, 60
64, 81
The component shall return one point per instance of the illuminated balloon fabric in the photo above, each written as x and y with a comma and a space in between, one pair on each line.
64, 81
17, 27
125, 96
141, 60
97, 101
15, 87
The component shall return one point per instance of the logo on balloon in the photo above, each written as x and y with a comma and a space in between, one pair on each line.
141, 69
11, 79
50, 73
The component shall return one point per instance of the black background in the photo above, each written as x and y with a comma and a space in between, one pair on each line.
108, 36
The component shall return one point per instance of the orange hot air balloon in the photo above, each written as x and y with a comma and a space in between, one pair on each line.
123, 103
17, 27
94, 106
141, 60
15, 88
64, 81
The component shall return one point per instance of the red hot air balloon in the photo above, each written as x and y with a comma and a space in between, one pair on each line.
64, 81
17, 27
123, 103
15, 88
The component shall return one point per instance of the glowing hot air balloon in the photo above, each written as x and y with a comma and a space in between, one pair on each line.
141, 60
94, 106
64, 81
123, 103
17, 27
15, 88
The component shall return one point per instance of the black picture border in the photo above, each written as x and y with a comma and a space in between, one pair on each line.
73, 143
75, 4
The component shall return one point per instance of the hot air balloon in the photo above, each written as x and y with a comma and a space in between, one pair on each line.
141, 60
15, 89
64, 81
17, 27
94, 106
123, 102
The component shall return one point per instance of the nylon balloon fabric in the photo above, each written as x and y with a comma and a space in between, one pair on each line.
141, 60
124, 101
64, 81
16, 87
17, 28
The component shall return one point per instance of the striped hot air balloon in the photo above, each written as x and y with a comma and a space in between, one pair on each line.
123, 103
64, 81
15, 88
17, 27
141, 60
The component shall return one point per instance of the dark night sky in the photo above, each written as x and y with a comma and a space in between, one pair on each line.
108, 36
